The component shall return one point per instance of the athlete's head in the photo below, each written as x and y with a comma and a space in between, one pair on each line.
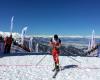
55, 36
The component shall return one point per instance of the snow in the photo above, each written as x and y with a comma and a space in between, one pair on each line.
25, 67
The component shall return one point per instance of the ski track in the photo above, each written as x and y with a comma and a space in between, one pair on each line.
24, 68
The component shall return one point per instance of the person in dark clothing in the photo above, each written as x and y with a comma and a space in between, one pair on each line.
55, 44
1, 44
8, 42
5, 43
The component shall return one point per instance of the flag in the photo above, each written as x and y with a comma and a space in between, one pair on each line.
11, 24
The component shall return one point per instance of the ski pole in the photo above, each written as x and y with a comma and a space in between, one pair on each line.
73, 58
41, 60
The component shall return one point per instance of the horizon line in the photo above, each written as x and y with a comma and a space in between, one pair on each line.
47, 35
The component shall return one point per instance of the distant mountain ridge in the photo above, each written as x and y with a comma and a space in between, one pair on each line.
71, 45
47, 36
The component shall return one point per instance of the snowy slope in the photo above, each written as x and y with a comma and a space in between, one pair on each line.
24, 68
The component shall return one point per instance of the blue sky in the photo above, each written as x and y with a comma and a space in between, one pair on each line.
63, 17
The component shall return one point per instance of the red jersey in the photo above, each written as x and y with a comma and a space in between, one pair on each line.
55, 43
8, 40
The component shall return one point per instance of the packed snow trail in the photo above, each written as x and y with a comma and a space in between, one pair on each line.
24, 68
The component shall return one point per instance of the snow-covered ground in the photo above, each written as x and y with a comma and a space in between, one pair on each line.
26, 67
